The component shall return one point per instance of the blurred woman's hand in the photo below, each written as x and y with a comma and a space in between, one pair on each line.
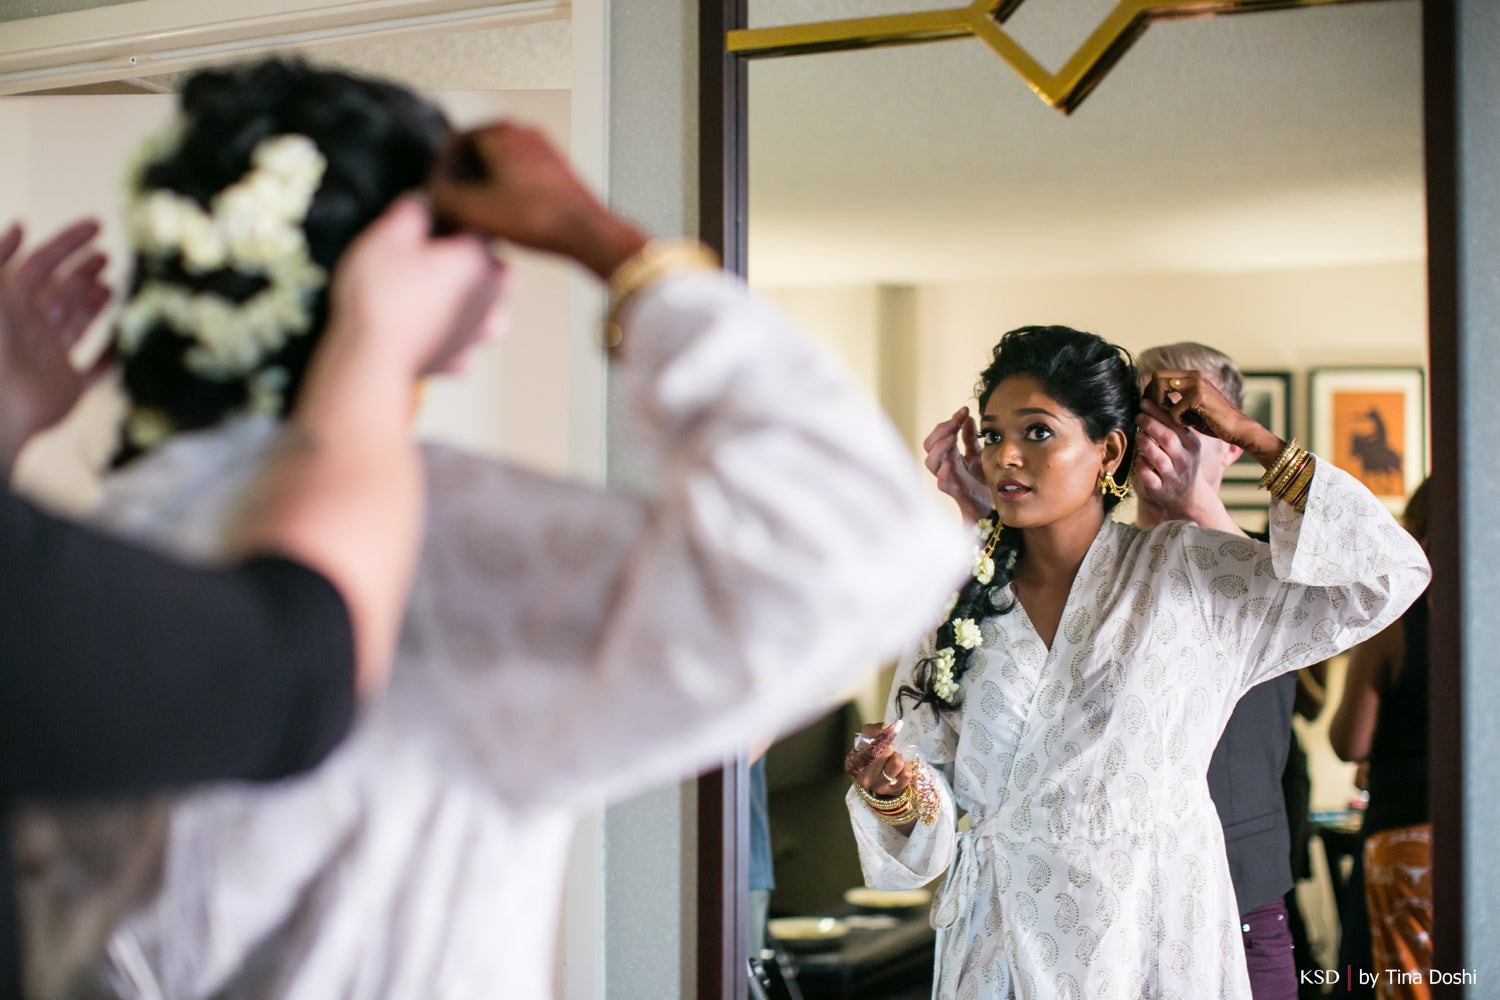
952, 456
48, 300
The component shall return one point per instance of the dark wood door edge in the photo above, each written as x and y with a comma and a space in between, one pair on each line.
723, 806
1445, 678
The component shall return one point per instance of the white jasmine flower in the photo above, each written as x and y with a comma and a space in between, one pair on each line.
983, 528
255, 226
293, 158
202, 247
146, 428
943, 684
267, 390
984, 568
966, 633
952, 603
237, 216
154, 223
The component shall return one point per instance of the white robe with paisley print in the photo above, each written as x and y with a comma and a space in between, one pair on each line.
1094, 864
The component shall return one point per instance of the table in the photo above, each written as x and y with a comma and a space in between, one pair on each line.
886, 955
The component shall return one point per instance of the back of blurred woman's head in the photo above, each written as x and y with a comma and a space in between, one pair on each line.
1188, 356
238, 215
1094, 379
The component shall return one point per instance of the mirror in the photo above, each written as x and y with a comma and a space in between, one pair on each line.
1253, 183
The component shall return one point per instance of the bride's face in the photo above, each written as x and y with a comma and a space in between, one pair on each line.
1037, 457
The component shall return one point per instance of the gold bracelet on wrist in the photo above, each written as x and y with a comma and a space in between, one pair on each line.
654, 261
1289, 475
1301, 488
1289, 450
1283, 458
919, 800
897, 810
1289, 454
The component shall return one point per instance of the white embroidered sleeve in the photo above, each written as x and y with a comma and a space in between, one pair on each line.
585, 643
889, 858
1330, 578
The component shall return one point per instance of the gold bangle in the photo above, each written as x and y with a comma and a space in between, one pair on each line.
1289, 474
652, 262
1296, 495
1303, 478
1286, 461
898, 810
1288, 455
882, 803
1288, 485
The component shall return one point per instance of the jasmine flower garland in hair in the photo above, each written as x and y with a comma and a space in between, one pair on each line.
939, 680
255, 227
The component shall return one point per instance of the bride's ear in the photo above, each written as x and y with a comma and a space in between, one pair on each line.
1115, 444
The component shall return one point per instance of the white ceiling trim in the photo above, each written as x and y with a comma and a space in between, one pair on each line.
149, 37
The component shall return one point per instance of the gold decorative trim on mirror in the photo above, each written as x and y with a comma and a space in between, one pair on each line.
984, 19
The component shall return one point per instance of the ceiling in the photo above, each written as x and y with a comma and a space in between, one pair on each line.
1277, 140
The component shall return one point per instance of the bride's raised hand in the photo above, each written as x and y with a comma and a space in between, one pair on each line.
1192, 400
952, 456
875, 765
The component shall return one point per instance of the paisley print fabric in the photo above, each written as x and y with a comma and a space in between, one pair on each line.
1094, 863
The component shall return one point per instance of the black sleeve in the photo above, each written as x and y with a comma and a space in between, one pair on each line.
122, 671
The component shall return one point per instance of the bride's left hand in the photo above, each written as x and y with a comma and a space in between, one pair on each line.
1192, 400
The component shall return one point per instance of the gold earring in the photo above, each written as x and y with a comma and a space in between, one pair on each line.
1114, 489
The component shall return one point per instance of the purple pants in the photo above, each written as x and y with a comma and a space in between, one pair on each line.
1268, 952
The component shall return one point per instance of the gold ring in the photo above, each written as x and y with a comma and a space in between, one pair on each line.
1174, 383
887, 777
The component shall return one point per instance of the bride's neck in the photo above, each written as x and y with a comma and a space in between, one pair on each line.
1054, 551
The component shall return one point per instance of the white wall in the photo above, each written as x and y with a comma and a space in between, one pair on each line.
1361, 315
844, 318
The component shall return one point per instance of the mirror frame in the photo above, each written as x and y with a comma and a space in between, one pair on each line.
723, 202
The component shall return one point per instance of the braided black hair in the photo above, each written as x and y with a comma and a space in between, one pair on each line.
379, 140
1096, 381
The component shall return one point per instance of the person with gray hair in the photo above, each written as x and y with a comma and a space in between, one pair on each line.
1176, 475
1179, 473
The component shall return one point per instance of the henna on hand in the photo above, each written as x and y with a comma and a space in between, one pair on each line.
863, 755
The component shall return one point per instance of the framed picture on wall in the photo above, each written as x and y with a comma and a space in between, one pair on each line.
1268, 400
1372, 423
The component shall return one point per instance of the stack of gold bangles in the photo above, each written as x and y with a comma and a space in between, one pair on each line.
917, 801
1290, 477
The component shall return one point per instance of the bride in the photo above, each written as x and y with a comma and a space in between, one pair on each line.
564, 646
1071, 702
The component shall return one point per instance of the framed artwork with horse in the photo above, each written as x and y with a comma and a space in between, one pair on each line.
1372, 423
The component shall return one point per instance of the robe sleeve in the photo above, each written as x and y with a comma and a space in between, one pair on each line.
577, 643
889, 858
1329, 578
